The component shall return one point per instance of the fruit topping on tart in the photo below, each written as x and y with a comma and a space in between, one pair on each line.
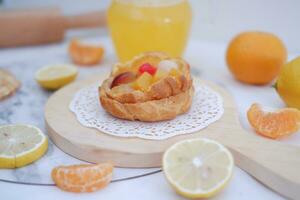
147, 68
148, 85
124, 78
145, 75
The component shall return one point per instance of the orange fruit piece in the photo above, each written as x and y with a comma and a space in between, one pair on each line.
255, 57
274, 124
84, 54
82, 178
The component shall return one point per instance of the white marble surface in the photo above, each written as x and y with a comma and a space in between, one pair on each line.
27, 106
206, 59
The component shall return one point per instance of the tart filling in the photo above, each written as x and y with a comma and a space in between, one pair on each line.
148, 88
150, 77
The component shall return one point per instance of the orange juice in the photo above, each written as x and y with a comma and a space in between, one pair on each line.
137, 26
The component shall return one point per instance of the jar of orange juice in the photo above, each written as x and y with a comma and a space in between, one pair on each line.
138, 26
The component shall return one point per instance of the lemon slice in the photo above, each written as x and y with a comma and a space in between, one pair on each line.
21, 145
55, 76
198, 168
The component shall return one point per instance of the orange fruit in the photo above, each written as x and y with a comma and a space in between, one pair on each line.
255, 57
274, 124
82, 178
84, 54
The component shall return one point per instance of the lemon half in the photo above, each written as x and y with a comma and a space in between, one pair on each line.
198, 168
55, 76
288, 83
21, 145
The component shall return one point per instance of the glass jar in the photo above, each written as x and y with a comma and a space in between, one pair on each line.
138, 26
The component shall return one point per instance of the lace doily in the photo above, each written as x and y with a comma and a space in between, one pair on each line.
207, 107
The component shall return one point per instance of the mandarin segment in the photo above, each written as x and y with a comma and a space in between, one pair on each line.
82, 178
84, 54
276, 124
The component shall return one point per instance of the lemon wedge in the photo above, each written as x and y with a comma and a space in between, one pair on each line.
21, 145
55, 76
198, 168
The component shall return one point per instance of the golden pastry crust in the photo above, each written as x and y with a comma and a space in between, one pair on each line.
167, 87
149, 111
165, 98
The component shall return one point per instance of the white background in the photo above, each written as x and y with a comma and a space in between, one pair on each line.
214, 20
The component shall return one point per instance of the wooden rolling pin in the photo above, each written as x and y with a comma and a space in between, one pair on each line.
43, 25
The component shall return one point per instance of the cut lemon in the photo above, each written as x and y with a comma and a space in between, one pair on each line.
21, 145
55, 76
198, 168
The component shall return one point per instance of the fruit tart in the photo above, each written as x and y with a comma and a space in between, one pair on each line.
150, 87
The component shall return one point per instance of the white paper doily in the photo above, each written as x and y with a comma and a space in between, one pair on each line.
207, 107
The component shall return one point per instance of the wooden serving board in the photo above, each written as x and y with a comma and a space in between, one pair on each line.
275, 164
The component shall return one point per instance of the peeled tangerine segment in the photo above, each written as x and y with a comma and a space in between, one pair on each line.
83, 178
274, 123
84, 54
198, 167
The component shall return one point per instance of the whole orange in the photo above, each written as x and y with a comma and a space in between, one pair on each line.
255, 57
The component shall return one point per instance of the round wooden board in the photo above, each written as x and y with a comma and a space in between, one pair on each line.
91, 145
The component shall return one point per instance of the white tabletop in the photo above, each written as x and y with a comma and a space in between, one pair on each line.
206, 59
